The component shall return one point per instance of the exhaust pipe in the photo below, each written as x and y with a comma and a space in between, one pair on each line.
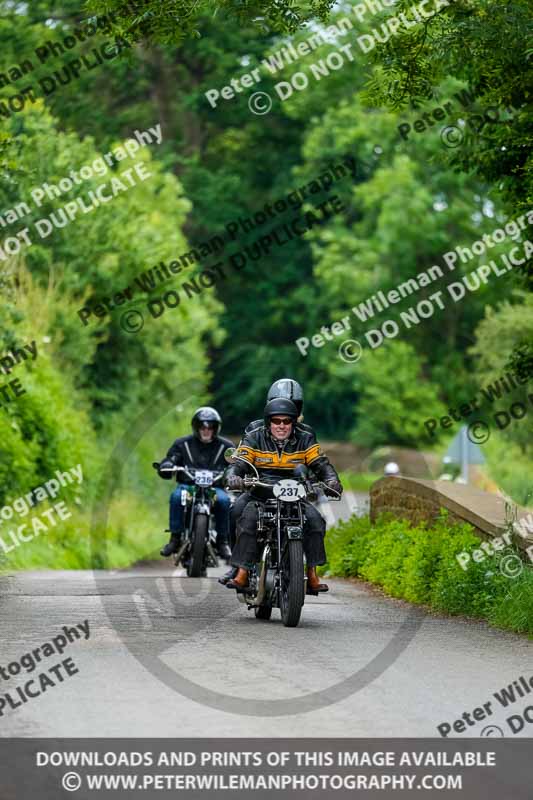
212, 554
261, 590
180, 552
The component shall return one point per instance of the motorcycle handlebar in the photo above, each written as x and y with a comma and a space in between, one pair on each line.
172, 470
251, 482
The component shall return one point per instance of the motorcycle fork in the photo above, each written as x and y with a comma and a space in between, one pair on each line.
187, 528
205, 497
190, 512
280, 553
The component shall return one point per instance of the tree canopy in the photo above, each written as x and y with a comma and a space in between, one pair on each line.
384, 210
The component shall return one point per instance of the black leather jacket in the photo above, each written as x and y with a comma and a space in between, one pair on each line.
274, 460
189, 451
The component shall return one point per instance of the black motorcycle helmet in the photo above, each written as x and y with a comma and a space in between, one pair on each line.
289, 389
206, 414
280, 405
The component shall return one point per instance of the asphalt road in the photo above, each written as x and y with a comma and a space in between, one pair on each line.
172, 656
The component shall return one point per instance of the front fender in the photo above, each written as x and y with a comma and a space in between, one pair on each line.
294, 532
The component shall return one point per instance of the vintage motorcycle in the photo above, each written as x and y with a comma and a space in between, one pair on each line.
278, 579
198, 547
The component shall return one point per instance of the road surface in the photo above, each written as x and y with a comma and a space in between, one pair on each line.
171, 656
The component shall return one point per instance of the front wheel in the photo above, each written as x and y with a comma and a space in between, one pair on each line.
292, 584
199, 539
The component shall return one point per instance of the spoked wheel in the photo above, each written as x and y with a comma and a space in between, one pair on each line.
199, 538
292, 584
263, 612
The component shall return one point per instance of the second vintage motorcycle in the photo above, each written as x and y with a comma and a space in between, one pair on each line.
197, 550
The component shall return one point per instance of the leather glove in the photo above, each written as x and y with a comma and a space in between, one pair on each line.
335, 485
235, 482
166, 463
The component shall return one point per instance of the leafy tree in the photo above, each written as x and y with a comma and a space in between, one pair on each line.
475, 42
479, 43
101, 253
505, 330
49, 424
168, 21
394, 397
402, 210
400, 216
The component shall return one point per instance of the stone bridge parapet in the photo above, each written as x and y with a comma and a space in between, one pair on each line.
421, 501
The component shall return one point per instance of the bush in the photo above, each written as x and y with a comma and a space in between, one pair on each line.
516, 608
419, 564
348, 548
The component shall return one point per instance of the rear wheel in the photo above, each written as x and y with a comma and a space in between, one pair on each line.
292, 584
199, 538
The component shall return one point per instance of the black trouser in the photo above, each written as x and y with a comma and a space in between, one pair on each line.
236, 511
244, 553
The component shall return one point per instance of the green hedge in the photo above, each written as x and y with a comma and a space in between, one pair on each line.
419, 564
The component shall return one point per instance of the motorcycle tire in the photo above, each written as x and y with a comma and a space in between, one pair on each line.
292, 590
263, 612
197, 554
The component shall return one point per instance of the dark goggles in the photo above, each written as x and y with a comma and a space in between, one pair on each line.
281, 420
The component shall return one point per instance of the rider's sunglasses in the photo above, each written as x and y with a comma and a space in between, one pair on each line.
281, 421
209, 425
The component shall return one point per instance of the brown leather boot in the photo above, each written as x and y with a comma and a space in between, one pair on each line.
240, 581
313, 583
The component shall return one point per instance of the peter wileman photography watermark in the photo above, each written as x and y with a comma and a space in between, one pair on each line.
104, 193
453, 135
38, 684
11, 359
269, 218
501, 551
21, 506
351, 350
505, 697
261, 103
50, 82
479, 431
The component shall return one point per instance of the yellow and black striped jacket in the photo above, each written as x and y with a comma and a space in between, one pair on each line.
274, 460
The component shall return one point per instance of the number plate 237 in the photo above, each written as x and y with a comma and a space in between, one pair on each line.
288, 491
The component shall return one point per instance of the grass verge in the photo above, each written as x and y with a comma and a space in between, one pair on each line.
134, 532
418, 564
